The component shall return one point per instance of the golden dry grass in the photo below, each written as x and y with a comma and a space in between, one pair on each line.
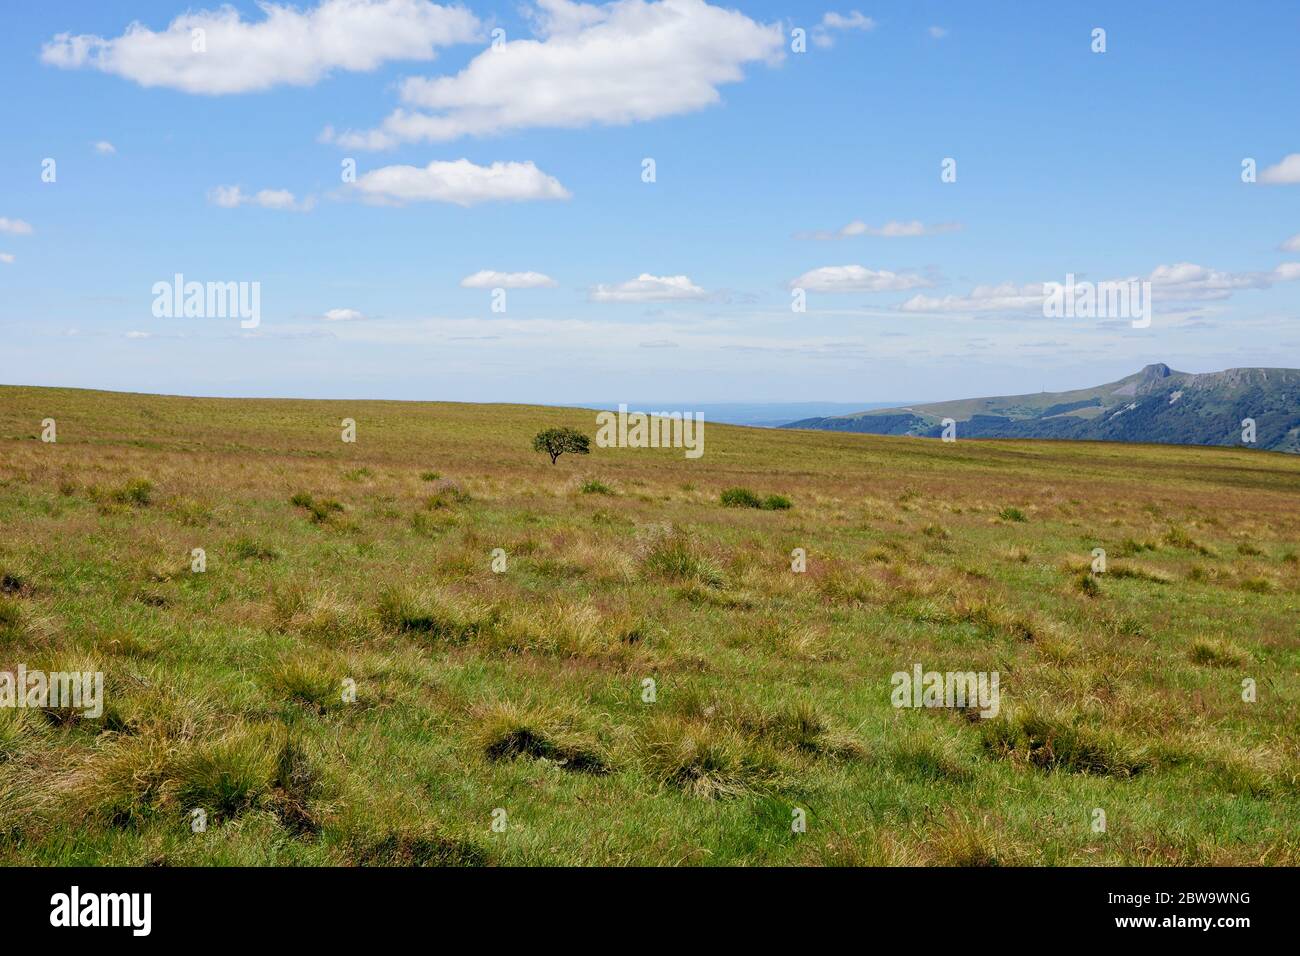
525, 691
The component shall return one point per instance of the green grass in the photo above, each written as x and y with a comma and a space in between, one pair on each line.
744, 498
648, 681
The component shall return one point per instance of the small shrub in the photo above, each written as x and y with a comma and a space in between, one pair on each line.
306, 680
799, 727
1087, 584
1216, 653
138, 492
1012, 514
673, 556
321, 510
124, 782
741, 498
191, 513
961, 842
1130, 547
246, 549
508, 732
430, 475
321, 618
1057, 744
133, 777
428, 615
229, 774
446, 495
594, 487
1178, 538
777, 503
708, 762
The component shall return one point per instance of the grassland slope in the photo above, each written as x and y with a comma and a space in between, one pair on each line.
621, 668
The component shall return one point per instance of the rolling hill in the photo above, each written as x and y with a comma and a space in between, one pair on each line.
1157, 405
392, 644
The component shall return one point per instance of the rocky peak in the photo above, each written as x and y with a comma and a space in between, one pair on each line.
1158, 370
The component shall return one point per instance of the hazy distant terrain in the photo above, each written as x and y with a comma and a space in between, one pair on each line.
1156, 404
524, 691
758, 414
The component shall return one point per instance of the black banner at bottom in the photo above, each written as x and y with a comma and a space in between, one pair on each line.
335, 906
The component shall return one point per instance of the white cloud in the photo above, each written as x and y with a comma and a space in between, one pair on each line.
1181, 282
139, 335
7, 258
342, 315
938, 33
891, 229
105, 148
618, 63
15, 227
851, 21
648, 288
1285, 173
560, 17
1290, 245
821, 34
460, 182
487, 279
1186, 281
231, 197
289, 46
1006, 297
858, 279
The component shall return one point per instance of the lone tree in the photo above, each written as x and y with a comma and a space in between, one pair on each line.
556, 441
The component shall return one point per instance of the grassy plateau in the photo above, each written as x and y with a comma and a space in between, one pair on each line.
637, 675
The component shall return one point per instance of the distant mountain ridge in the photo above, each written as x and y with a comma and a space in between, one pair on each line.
1157, 404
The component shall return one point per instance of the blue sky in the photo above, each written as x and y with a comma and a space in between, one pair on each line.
773, 169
